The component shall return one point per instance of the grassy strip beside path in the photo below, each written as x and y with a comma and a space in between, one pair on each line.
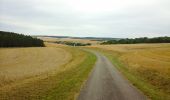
71, 80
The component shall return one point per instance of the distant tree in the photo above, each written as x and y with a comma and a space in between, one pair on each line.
73, 43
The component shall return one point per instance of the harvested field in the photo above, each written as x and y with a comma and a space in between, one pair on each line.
22, 63
146, 65
151, 56
55, 72
48, 39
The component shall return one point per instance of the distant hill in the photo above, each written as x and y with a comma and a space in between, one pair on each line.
51, 36
89, 38
96, 38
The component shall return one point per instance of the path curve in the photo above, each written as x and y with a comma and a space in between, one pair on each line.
107, 83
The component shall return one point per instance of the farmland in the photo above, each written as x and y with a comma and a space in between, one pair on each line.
21, 63
147, 66
59, 71
55, 71
84, 41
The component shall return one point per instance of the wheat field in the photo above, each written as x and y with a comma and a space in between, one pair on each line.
150, 62
48, 39
43, 73
21, 63
151, 56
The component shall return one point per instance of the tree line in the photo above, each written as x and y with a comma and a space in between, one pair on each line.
139, 40
10, 39
72, 43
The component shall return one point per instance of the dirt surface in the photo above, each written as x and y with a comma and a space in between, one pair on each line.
107, 83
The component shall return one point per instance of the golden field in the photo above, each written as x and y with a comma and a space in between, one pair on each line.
21, 63
148, 62
47, 73
48, 39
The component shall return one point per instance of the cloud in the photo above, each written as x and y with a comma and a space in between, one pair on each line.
109, 18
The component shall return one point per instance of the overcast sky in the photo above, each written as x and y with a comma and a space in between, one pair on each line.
101, 18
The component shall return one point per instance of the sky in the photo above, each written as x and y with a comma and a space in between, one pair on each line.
87, 18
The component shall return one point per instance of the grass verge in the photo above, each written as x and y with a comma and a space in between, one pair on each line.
70, 81
136, 79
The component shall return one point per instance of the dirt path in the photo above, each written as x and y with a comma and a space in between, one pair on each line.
107, 83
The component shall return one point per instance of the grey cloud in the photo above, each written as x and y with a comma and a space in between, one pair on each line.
57, 18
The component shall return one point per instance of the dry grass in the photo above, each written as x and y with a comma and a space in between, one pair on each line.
21, 63
48, 44
69, 40
150, 62
151, 56
55, 72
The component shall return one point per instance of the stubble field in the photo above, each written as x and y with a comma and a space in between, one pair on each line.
147, 66
21, 63
48, 73
48, 39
